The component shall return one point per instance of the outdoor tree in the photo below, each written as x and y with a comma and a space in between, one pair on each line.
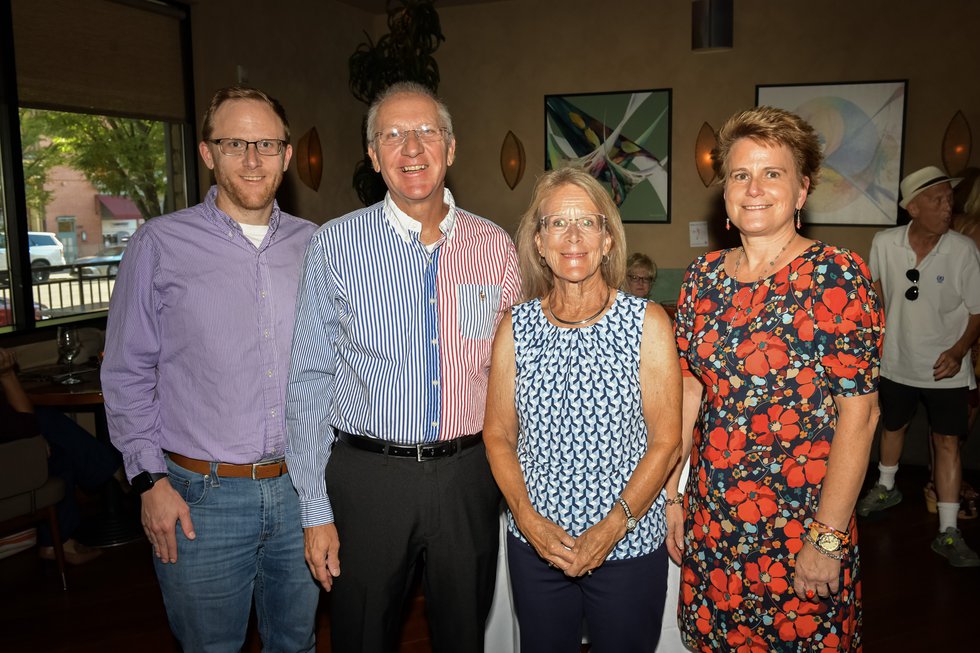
39, 158
119, 156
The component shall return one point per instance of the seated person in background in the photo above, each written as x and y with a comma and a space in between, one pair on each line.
75, 456
641, 272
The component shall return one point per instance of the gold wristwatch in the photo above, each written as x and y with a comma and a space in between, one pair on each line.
830, 541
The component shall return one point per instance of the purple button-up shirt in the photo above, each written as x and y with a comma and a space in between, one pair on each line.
198, 338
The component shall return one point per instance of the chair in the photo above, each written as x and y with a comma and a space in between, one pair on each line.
27, 494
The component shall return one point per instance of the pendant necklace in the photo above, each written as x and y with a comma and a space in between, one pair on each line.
772, 262
580, 322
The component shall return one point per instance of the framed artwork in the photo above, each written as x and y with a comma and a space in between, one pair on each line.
622, 139
861, 127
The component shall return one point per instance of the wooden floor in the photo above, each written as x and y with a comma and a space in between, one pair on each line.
913, 601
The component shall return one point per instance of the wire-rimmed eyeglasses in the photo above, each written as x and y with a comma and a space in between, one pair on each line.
396, 136
238, 146
912, 293
588, 223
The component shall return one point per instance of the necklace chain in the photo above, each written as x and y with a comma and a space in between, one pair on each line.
586, 320
772, 262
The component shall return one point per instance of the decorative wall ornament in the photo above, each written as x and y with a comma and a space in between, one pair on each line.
512, 159
707, 141
309, 159
957, 143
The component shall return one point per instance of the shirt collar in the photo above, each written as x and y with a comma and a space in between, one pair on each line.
409, 228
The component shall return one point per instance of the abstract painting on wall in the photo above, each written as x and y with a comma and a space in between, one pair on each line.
622, 139
861, 127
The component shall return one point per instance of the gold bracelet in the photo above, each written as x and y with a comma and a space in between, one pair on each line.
676, 501
836, 555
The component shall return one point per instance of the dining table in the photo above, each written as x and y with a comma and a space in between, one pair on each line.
116, 520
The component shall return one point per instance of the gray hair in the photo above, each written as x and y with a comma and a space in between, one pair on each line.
406, 88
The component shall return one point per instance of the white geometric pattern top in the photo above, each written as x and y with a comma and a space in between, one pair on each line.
581, 428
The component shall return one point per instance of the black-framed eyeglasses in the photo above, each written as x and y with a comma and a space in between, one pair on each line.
912, 293
638, 279
396, 136
238, 146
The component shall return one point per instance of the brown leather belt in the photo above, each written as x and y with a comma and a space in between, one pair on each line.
420, 452
255, 471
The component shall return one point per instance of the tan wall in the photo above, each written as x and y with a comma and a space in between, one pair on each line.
501, 58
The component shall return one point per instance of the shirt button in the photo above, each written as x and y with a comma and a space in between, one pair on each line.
433, 341
435, 424
262, 293
273, 412
269, 373
435, 381
266, 333
432, 300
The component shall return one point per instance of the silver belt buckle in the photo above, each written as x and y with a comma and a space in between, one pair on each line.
254, 466
418, 452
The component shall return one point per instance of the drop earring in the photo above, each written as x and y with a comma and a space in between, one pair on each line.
799, 222
728, 224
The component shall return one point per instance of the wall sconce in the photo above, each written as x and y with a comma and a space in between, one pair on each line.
309, 159
512, 159
711, 25
957, 143
706, 142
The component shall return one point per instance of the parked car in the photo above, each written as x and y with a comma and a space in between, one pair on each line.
7, 312
46, 251
103, 264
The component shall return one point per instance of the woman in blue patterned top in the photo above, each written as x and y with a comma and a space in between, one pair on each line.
582, 427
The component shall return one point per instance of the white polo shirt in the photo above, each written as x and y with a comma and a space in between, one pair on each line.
916, 332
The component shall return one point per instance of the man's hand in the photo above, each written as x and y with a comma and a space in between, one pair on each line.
323, 553
161, 509
948, 364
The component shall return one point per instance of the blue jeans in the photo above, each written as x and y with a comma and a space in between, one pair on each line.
249, 543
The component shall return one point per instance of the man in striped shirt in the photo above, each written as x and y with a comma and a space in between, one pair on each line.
395, 318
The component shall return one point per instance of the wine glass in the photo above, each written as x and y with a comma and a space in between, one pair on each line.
69, 346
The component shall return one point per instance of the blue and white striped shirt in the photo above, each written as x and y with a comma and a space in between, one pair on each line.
392, 339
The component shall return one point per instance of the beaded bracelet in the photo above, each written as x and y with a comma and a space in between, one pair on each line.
676, 501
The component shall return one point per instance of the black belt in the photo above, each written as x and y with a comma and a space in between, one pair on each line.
420, 452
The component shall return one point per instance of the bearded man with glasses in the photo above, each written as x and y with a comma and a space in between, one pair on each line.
929, 279
197, 352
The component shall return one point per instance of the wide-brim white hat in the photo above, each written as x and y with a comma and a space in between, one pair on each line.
920, 180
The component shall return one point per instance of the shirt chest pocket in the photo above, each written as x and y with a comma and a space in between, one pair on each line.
476, 308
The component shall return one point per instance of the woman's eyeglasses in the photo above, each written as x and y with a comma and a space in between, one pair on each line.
912, 293
556, 224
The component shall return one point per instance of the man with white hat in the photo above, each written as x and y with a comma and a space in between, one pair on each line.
929, 279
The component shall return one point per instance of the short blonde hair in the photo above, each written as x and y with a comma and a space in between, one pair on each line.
538, 279
772, 127
641, 259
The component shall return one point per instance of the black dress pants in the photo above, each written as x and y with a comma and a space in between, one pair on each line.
393, 514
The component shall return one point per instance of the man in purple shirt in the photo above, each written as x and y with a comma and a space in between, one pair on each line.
194, 378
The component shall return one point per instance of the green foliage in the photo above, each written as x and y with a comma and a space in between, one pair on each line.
119, 156
39, 158
404, 54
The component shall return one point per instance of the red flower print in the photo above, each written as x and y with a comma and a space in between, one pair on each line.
746, 305
703, 621
744, 640
794, 620
780, 421
766, 573
835, 314
830, 643
754, 501
724, 449
792, 532
725, 591
706, 529
844, 365
688, 581
805, 380
715, 386
763, 353
803, 324
801, 276
808, 464
708, 344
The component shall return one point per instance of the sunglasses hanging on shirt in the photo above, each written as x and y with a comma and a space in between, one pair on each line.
912, 293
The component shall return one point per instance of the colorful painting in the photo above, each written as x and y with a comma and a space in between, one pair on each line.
861, 126
622, 139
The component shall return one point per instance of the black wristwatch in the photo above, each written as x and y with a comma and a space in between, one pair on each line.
144, 481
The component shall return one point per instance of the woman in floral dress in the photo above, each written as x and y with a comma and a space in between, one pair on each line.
779, 342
